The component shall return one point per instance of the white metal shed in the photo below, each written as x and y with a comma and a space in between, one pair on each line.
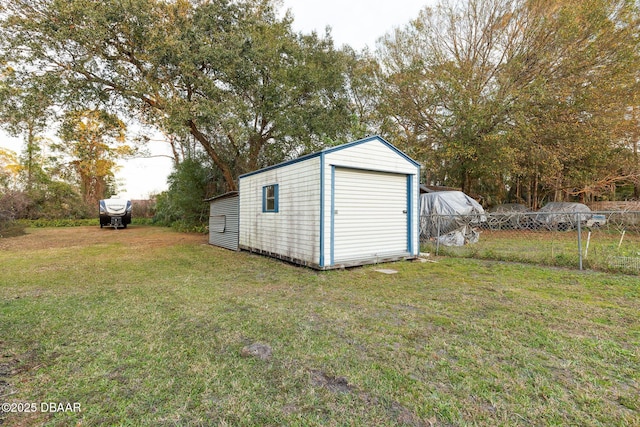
348, 205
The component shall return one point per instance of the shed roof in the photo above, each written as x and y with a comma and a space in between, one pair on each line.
222, 196
331, 150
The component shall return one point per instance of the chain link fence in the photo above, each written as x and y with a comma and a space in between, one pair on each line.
606, 240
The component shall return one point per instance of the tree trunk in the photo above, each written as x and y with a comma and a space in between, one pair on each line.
255, 147
534, 190
229, 179
464, 180
30, 157
636, 184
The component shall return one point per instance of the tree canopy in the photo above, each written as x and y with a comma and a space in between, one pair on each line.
232, 75
93, 141
508, 100
524, 96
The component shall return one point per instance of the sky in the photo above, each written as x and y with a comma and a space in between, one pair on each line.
358, 23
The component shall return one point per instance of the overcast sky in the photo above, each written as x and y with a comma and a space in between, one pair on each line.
358, 23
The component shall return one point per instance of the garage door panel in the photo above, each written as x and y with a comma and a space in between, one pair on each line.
370, 218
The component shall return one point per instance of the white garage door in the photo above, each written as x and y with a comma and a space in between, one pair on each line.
370, 215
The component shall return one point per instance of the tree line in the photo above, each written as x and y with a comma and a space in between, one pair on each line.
508, 100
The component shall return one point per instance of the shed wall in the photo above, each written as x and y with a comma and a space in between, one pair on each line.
294, 231
224, 222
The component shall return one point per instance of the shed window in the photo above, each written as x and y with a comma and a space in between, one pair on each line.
270, 198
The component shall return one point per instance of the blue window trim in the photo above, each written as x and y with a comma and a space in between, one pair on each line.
276, 191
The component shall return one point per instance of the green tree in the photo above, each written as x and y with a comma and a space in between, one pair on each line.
36, 188
93, 141
571, 117
445, 71
498, 95
230, 74
25, 111
9, 168
363, 72
183, 203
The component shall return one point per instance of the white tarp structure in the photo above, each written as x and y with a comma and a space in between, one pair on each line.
450, 217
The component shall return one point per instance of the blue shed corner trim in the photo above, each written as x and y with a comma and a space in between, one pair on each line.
322, 228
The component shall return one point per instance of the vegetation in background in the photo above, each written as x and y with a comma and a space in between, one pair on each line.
182, 205
232, 75
517, 100
93, 141
508, 100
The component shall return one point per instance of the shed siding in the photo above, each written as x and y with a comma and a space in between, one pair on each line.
224, 222
294, 231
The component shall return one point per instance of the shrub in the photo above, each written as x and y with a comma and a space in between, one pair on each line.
182, 205
13, 205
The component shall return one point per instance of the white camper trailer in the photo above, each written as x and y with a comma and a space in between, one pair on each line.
115, 212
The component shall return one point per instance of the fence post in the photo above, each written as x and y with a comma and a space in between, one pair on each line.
438, 236
579, 217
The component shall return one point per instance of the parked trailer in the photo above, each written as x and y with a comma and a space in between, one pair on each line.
115, 212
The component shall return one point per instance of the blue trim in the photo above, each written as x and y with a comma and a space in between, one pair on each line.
416, 207
276, 191
279, 165
410, 214
331, 150
333, 213
321, 210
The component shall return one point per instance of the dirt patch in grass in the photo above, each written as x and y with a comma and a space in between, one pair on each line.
396, 411
6, 370
331, 383
68, 237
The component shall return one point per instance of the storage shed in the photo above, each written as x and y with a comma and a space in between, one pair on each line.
224, 220
348, 205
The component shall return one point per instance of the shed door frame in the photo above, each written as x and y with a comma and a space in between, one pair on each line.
408, 207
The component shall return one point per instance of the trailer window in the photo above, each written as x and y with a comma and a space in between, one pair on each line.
270, 198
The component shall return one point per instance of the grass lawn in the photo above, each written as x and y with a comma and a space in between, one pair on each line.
147, 326
608, 249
